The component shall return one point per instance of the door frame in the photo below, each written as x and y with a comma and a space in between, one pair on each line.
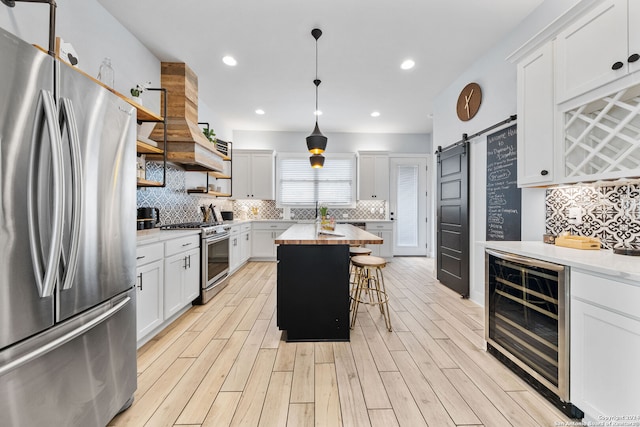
423, 202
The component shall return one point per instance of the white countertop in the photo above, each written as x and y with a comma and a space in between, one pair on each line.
154, 235
604, 261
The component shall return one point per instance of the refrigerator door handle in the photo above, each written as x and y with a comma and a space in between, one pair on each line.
52, 345
68, 117
46, 276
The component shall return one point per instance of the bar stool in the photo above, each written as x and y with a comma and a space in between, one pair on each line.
355, 250
369, 278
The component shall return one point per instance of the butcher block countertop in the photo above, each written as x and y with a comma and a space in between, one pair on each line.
307, 234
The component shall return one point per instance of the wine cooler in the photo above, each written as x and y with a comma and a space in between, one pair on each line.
527, 322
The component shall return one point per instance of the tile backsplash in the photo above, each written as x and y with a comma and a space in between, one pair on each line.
610, 211
177, 206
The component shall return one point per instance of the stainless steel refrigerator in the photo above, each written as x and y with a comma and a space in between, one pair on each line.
67, 244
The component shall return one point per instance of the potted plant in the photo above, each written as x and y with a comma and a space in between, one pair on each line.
323, 211
210, 134
137, 91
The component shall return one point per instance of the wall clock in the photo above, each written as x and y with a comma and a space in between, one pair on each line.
469, 102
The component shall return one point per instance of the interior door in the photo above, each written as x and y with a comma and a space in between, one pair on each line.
408, 205
453, 218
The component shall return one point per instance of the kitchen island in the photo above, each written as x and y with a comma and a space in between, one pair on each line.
313, 281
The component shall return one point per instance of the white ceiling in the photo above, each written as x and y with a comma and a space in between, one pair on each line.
359, 55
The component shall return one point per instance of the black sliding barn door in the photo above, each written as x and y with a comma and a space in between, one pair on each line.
453, 218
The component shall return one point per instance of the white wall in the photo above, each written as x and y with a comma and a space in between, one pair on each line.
292, 142
95, 34
497, 78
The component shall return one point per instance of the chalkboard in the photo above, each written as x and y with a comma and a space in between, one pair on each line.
503, 195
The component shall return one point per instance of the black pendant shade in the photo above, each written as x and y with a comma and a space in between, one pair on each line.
317, 160
316, 142
9, 3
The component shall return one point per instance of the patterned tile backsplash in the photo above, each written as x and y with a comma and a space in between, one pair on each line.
610, 212
177, 206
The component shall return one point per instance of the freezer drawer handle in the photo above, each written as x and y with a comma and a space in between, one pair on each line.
46, 276
63, 339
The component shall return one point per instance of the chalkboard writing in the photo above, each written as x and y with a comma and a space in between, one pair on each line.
503, 195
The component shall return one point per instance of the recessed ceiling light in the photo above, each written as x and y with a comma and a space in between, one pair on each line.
230, 61
259, 111
317, 113
375, 114
407, 64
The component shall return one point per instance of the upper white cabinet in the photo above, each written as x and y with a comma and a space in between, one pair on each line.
253, 174
578, 86
536, 118
600, 47
373, 176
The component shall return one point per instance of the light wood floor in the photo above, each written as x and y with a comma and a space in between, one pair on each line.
225, 364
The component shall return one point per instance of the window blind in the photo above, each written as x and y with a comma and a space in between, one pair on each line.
301, 185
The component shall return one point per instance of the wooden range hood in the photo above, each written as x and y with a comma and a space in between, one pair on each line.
186, 144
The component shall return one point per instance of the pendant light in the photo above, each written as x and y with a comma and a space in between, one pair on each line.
316, 142
317, 161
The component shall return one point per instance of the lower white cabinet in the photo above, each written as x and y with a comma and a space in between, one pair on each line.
605, 347
245, 243
182, 280
263, 235
239, 245
168, 280
383, 229
149, 288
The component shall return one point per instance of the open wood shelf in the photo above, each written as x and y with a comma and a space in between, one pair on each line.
204, 192
147, 183
145, 148
218, 175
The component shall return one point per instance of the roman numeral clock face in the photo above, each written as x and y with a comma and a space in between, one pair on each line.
469, 102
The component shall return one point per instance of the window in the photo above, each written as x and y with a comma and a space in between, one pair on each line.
301, 185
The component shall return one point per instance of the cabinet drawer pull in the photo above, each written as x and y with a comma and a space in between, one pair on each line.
617, 65
544, 172
633, 58
187, 244
140, 257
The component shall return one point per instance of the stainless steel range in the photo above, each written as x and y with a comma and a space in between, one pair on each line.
214, 256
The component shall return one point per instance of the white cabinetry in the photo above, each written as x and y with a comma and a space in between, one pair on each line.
373, 176
264, 233
149, 288
253, 174
182, 273
383, 229
605, 346
239, 245
245, 243
598, 48
536, 118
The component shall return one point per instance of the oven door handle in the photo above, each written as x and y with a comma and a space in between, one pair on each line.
216, 238
527, 261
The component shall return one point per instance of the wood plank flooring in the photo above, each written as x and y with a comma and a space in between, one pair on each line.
224, 364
